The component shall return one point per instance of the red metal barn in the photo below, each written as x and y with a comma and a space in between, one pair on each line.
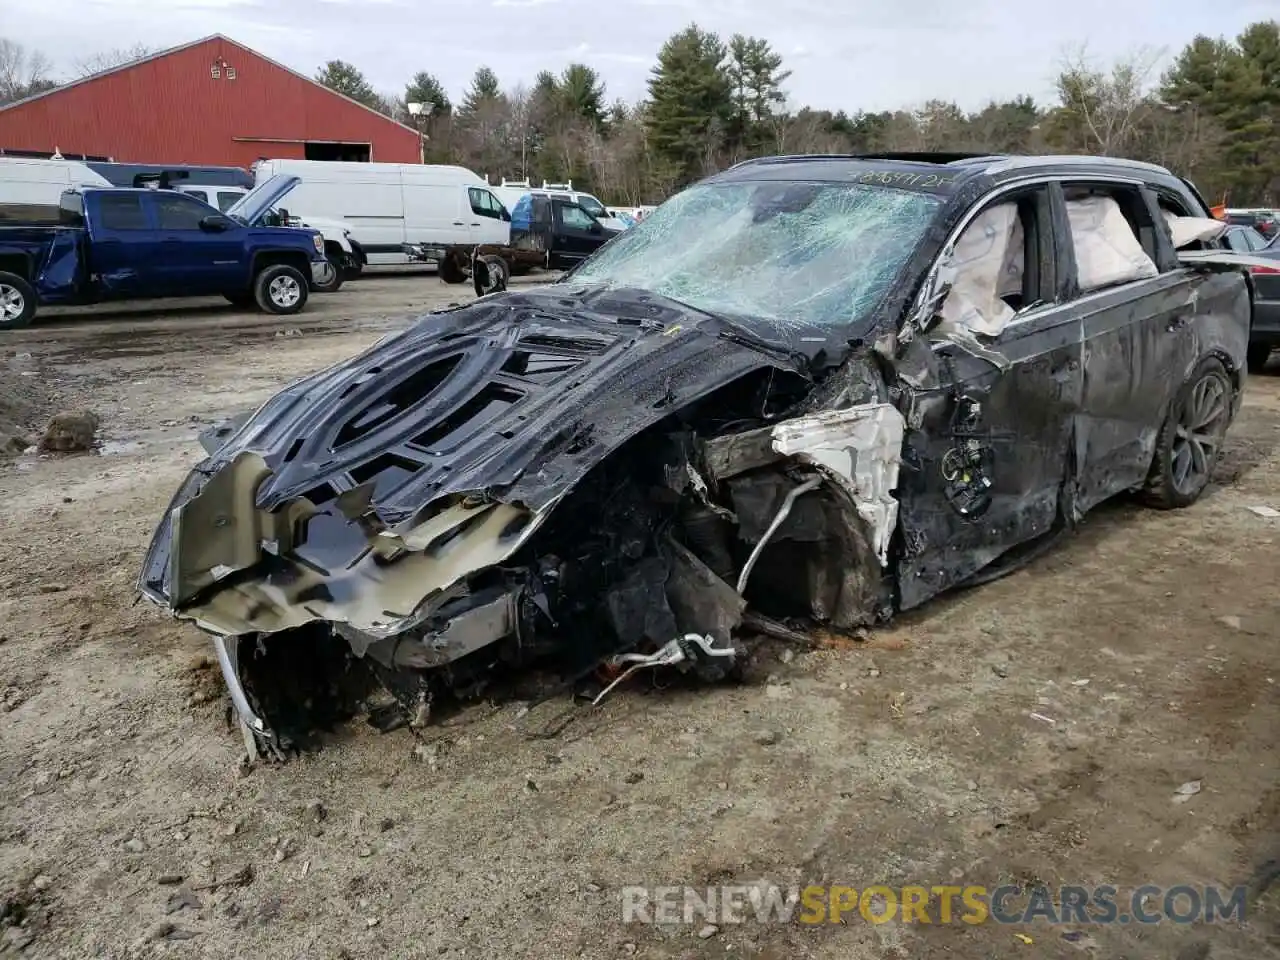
212, 102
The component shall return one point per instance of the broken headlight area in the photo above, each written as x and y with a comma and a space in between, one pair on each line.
648, 562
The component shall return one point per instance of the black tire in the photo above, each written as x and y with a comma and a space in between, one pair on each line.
280, 289
1190, 441
354, 270
451, 271
17, 302
499, 275
239, 299
1259, 354
335, 279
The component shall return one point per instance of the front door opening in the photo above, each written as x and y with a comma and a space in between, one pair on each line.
328, 150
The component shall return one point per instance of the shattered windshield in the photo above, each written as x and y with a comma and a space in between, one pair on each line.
790, 255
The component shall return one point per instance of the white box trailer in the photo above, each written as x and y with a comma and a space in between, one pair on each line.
387, 206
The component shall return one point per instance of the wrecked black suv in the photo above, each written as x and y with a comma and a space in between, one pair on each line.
821, 389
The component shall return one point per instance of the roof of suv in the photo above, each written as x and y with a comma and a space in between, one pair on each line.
944, 172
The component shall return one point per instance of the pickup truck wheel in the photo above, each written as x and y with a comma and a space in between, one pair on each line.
17, 302
331, 278
280, 289
450, 270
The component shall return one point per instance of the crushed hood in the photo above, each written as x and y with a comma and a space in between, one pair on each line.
344, 497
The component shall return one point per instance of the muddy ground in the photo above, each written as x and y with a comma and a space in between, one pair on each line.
961, 746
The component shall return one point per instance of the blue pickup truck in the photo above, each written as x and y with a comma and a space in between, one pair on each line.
127, 244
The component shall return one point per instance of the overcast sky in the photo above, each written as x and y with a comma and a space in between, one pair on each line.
844, 54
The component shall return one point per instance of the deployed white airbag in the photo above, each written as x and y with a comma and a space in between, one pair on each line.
988, 264
1188, 230
1107, 251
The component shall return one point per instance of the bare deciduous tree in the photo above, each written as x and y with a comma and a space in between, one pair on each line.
111, 58
22, 72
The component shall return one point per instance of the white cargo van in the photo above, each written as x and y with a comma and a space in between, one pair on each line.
389, 205
31, 190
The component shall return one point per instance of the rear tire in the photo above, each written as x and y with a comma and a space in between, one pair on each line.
1190, 441
334, 277
499, 275
1259, 354
450, 270
280, 289
17, 302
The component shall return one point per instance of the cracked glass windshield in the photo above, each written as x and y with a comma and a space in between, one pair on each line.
789, 256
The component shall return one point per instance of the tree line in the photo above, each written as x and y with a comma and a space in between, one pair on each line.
1213, 116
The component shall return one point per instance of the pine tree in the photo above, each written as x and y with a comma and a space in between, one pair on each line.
485, 91
343, 77
690, 101
582, 93
425, 88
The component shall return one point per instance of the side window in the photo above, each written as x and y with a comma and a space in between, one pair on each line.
176, 212
1112, 235
592, 205
575, 217
198, 194
484, 204
1255, 240
1003, 262
122, 211
227, 199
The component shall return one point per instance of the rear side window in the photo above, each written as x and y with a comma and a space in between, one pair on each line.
227, 199
1112, 234
122, 211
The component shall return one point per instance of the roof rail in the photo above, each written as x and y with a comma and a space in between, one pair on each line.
930, 156
557, 186
915, 157
524, 184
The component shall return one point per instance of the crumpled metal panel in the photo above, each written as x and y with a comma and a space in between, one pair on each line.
511, 401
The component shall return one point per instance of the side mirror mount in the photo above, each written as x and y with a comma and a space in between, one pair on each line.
596, 227
215, 223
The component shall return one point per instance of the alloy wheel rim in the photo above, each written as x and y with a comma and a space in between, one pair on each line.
1202, 423
12, 302
284, 291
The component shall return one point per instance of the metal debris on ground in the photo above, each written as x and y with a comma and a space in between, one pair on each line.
1186, 791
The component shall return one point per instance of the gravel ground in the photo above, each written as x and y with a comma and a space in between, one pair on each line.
963, 745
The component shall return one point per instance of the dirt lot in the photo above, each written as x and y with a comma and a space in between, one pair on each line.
924, 756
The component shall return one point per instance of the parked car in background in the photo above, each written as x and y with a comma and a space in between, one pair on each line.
117, 244
1244, 239
1264, 221
510, 192
1264, 335
810, 387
